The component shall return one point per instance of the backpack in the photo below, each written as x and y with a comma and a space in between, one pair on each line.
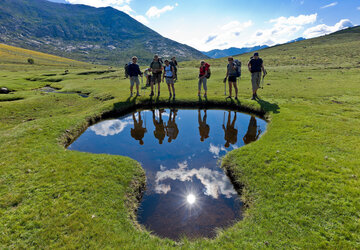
208, 71
238, 68
152, 64
127, 68
174, 66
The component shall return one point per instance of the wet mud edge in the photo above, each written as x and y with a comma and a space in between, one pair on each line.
137, 186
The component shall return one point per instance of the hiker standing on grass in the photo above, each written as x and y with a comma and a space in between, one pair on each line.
255, 66
169, 74
134, 72
156, 69
204, 73
174, 64
231, 75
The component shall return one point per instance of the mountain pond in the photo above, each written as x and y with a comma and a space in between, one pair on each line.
187, 192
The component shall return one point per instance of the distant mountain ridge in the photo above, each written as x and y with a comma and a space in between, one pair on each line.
218, 53
80, 32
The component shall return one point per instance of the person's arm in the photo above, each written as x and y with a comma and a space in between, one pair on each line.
173, 72
139, 71
249, 66
263, 70
227, 72
163, 76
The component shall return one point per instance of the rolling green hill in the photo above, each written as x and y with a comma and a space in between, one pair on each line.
96, 35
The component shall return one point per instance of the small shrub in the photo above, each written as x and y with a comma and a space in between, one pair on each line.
30, 60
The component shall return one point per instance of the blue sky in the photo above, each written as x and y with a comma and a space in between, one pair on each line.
214, 24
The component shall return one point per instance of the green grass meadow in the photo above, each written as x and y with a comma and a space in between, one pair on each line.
301, 179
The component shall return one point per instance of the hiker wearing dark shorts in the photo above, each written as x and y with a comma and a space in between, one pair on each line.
255, 66
174, 63
134, 72
231, 75
204, 69
169, 74
156, 69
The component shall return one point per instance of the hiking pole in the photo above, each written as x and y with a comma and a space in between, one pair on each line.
225, 85
142, 85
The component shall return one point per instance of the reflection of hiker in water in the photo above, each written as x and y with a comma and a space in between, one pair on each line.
204, 128
252, 134
159, 131
230, 131
172, 129
138, 131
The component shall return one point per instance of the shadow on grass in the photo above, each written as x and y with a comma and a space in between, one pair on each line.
267, 106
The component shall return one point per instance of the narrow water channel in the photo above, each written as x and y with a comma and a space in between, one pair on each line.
187, 194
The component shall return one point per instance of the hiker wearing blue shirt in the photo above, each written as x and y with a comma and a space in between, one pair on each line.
255, 66
232, 74
169, 74
134, 72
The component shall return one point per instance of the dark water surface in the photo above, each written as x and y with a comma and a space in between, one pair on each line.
187, 191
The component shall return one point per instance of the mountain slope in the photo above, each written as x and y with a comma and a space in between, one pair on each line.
218, 53
15, 55
99, 35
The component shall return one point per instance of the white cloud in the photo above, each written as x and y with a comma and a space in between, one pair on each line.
110, 127
324, 29
215, 150
215, 182
117, 4
155, 12
141, 19
299, 20
358, 8
329, 5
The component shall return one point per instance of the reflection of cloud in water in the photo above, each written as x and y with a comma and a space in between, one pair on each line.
215, 150
111, 127
215, 182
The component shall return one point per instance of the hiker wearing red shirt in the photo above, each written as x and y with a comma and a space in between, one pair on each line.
203, 76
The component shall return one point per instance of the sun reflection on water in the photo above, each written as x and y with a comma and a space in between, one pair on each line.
191, 199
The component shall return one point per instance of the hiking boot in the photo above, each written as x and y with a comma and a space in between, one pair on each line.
159, 93
138, 94
229, 97
152, 93
174, 97
236, 98
170, 95
131, 94
205, 95
253, 97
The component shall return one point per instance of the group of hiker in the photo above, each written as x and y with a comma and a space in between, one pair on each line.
160, 71
171, 130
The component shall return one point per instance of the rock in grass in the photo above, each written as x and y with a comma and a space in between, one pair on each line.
4, 91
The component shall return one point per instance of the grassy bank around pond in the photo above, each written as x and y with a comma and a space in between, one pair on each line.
301, 179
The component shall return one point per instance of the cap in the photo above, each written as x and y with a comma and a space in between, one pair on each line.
256, 54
